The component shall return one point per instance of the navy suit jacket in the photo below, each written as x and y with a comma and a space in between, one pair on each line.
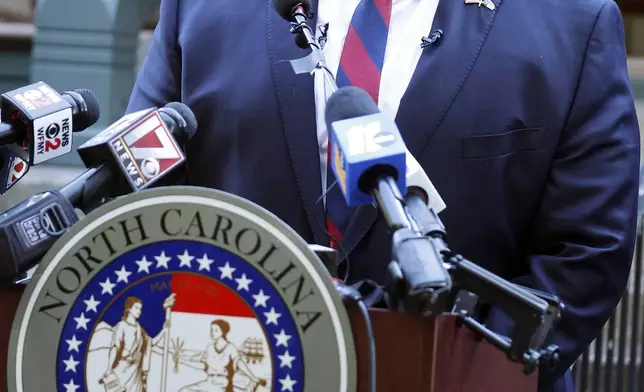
523, 118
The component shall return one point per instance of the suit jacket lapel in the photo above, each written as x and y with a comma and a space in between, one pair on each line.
439, 76
443, 70
295, 95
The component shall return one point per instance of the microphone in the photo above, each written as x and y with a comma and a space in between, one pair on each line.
367, 150
288, 8
37, 122
297, 12
132, 154
293, 10
29, 229
432, 40
368, 159
420, 281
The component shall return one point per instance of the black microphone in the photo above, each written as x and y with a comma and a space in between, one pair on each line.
28, 230
132, 154
363, 142
434, 39
424, 267
37, 122
298, 12
291, 9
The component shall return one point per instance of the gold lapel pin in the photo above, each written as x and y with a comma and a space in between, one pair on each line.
485, 3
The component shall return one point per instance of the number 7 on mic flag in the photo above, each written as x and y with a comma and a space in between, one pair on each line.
140, 143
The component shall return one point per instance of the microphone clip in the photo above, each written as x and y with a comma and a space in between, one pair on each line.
299, 27
434, 39
324, 31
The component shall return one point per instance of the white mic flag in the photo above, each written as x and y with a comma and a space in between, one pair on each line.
417, 180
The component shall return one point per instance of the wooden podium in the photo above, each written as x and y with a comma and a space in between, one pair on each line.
413, 354
433, 355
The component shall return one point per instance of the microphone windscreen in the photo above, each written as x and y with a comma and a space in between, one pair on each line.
301, 41
89, 110
187, 115
365, 145
285, 7
348, 102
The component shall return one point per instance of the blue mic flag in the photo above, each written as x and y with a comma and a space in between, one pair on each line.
361, 145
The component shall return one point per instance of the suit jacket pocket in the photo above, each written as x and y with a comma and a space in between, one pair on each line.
490, 146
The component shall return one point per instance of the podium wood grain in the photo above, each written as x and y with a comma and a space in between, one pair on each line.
414, 354
433, 355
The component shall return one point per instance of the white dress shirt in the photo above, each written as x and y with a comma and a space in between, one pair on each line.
410, 21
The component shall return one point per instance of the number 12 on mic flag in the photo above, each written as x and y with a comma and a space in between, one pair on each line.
362, 143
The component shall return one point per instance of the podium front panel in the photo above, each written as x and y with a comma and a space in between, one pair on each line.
416, 354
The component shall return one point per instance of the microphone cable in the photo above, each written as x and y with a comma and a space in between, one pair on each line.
350, 294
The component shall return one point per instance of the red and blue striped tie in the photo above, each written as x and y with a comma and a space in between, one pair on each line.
360, 65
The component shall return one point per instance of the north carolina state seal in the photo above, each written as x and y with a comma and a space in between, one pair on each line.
181, 289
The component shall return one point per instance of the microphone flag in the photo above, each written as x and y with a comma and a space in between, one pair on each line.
363, 143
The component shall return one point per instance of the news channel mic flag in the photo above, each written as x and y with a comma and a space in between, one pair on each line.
36, 125
181, 277
41, 106
50, 116
364, 149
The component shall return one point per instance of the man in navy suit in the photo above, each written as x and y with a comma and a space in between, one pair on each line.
520, 112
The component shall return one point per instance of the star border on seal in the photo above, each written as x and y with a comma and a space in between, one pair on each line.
283, 338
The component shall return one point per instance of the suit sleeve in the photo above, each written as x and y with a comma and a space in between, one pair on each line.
159, 80
583, 238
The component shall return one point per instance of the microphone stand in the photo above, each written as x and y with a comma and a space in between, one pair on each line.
533, 316
534, 313
90, 189
420, 277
